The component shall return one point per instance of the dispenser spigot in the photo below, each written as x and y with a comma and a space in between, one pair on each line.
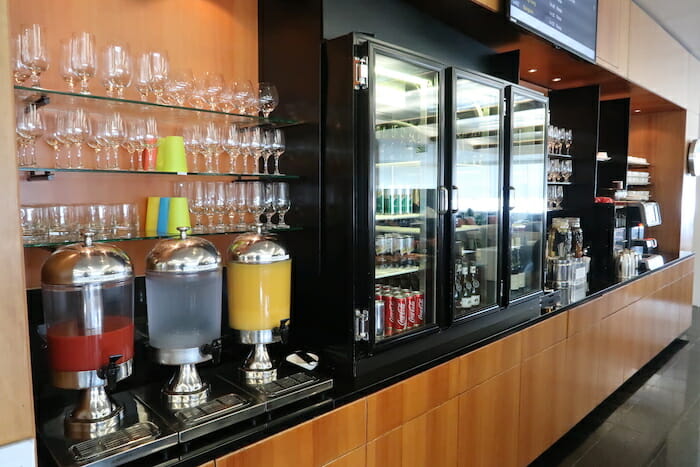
284, 330
213, 349
110, 372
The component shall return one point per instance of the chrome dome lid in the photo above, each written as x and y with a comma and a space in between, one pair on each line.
183, 255
257, 248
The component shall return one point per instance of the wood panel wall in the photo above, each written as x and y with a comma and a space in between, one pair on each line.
201, 35
660, 137
505, 403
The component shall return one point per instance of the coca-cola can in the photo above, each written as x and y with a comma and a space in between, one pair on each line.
399, 303
379, 312
410, 310
389, 308
419, 303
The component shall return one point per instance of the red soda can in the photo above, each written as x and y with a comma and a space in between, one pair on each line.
410, 310
399, 304
419, 302
388, 314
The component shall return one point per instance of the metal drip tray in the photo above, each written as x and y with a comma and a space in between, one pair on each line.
112, 443
211, 409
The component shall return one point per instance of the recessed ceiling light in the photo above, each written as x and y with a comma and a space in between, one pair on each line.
637, 110
556, 80
532, 70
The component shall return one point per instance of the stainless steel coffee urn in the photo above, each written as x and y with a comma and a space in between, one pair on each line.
88, 302
183, 290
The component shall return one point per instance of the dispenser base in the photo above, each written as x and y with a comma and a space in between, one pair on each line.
176, 401
95, 414
258, 377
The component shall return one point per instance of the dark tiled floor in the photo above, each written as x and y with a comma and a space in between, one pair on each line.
653, 420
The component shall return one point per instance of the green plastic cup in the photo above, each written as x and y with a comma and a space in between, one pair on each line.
171, 155
178, 215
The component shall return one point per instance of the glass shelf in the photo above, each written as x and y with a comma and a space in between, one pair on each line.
560, 156
560, 183
152, 237
391, 217
391, 272
147, 172
127, 107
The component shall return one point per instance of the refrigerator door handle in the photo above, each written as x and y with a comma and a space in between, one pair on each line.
455, 199
511, 189
442, 200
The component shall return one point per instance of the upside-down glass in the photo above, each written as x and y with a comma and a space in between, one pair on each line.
282, 202
255, 200
34, 52
83, 58
268, 98
116, 69
231, 145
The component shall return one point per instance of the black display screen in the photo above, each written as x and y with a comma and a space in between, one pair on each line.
570, 24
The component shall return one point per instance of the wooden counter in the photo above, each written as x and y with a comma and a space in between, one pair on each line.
502, 404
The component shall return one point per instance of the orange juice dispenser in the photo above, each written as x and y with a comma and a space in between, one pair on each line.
259, 274
88, 300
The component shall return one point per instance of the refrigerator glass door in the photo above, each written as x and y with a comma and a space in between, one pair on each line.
527, 188
476, 196
405, 102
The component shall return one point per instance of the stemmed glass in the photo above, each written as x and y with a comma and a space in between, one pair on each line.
55, 139
179, 86
30, 126
212, 84
245, 149
67, 73
268, 138
211, 143
195, 202
559, 196
566, 170
242, 95
209, 204
96, 140
20, 71
158, 68
239, 198
150, 139
255, 200
281, 202
220, 203
192, 140
78, 131
35, 55
231, 145
82, 58
278, 148
116, 69
268, 98
143, 76
257, 144
269, 205
135, 142
568, 139
226, 99
115, 137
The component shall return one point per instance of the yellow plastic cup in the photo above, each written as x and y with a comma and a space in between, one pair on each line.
152, 209
171, 155
178, 215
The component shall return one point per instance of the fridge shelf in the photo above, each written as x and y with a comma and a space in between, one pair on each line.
391, 272
560, 183
397, 229
48, 244
395, 217
44, 172
138, 109
464, 228
560, 156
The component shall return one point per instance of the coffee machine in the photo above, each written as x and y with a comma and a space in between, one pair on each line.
640, 215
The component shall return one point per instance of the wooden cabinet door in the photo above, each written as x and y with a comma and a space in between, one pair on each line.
488, 422
544, 402
612, 44
612, 354
583, 352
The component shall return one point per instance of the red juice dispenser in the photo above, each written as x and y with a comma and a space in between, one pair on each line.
88, 300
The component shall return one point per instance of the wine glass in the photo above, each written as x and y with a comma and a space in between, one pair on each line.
142, 77
566, 169
115, 136
220, 202
268, 98
192, 139
116, 69
78, 131
34, 54
82, 56
212, 84
195, 202
568, 139
63, 155
255, 200
244, 146
231, 146
257, 144
559, 197
30, 126
226, 99
278, 148
96, 140
281, 202
242, 95
269, 205
231, 203
179, 86
52, 138
556, 170
67, 74
239, 197
211, 142
158, 69
20, 71
135, 136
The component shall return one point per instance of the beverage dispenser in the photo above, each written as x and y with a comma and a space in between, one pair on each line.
88, 302
183, 288
259, 288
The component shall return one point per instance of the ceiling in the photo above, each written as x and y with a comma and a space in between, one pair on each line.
681, 18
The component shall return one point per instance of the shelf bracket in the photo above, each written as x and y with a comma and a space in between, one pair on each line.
34, 175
